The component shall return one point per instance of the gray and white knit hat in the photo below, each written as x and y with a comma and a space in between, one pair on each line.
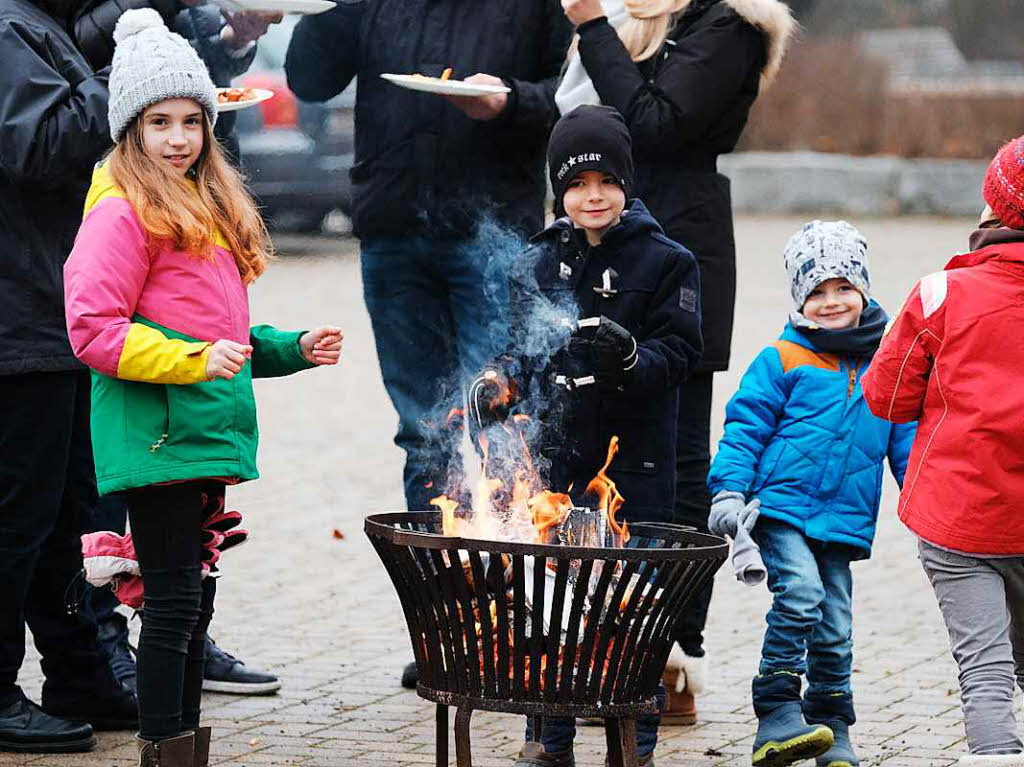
825, 250
151, 64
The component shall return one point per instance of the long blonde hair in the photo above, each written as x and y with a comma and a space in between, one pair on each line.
648, 25
171, 211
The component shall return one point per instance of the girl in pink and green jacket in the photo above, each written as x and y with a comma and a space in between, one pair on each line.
156, 305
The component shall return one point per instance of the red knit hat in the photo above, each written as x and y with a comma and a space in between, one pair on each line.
1004, 184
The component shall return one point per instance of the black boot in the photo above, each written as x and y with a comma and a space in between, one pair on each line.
26, 728
410, 676
106, 705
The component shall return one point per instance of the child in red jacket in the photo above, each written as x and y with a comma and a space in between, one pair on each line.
952, 361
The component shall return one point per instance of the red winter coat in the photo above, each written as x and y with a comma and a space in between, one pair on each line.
954, 361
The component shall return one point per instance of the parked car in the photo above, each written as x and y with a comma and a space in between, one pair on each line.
295, 155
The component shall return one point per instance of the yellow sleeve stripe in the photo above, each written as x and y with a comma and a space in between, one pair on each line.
148, 355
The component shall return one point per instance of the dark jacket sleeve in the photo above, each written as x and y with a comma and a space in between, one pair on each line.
671, 343
323, 55
94, 25
697, 81
50, 129
531, 105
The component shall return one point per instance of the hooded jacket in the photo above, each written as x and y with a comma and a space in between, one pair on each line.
421, 164
143, 318
685, 106
799, 436
952, 360
53, 126
648, 284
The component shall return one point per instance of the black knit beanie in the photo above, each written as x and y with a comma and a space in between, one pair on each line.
589, 138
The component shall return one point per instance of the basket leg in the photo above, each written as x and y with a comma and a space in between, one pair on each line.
442, 735
463, 755
620, 735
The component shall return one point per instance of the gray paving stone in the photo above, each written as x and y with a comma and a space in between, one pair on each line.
321, 612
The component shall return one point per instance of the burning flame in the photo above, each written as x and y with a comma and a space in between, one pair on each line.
609, 498
519, 507
547, 510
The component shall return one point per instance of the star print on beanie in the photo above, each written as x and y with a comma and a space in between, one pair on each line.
589, 138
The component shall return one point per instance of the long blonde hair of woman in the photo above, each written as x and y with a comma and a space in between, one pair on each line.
648, 25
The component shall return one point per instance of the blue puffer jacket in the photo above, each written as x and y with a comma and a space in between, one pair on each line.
799, 436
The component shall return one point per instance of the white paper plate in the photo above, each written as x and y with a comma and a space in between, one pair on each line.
260, 94
273, 6
444, 87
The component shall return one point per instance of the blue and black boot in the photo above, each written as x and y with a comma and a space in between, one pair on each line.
782, 736
835, 712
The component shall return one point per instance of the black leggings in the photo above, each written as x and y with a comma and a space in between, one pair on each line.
693, 499
165, 525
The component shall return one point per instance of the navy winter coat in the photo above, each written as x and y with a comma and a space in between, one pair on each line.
799, 436
655, 295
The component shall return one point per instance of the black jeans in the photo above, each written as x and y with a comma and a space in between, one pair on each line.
693, 499
47, 487
165, 522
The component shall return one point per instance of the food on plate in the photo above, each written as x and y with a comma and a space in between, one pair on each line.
446, 73
232, 95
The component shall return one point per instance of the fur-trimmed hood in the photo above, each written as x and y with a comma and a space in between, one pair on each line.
776, 22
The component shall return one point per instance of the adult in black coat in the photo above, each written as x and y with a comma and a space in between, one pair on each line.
427, 170
685, 85
53, 127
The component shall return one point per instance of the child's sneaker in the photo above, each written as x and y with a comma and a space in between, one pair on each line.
992, 760
782, 736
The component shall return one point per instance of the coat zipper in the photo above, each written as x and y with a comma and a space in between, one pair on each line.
853, 382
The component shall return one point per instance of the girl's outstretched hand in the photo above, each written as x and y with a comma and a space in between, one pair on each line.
322, 346
226, 358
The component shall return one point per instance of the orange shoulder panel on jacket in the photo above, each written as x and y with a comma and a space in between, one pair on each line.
794, 355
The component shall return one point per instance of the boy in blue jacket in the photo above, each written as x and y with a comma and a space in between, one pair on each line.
800, 439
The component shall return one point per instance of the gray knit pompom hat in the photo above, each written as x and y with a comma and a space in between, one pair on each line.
825, 250
151, 64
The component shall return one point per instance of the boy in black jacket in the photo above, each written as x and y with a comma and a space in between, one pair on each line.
638, 296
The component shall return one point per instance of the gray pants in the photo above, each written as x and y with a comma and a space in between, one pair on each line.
982, 603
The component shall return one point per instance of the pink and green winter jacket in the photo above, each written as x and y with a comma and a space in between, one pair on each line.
143, 319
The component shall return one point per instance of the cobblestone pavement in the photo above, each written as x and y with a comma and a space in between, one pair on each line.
320, 611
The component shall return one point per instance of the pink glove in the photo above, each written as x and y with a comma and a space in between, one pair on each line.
220, 533
110, 559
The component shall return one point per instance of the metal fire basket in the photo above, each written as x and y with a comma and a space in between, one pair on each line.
542, 630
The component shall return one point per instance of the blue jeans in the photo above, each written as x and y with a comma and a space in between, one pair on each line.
436, 322
810, 624
559, 732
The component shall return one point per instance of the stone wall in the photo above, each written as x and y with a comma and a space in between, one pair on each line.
829, 184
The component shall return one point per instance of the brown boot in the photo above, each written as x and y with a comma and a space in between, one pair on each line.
202, 753
172, 752
684, 678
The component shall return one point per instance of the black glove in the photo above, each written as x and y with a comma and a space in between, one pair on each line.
491, 396
614, 351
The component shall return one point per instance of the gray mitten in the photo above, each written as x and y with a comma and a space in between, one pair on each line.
725, 511
746, 558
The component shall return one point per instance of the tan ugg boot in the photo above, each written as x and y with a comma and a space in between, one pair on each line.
684, 678
172, 752
202, 752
